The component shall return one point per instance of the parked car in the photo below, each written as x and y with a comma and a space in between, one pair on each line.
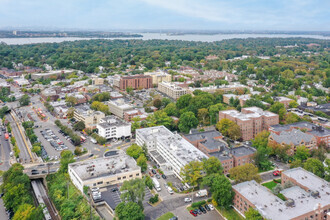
114, 189
174, 218
193, 213
207, 207
153, 171
202, 209
163, 175
158, 176
187, 199
276, 173
198, 211
211, 207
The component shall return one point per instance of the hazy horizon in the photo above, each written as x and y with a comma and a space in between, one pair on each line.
210, 15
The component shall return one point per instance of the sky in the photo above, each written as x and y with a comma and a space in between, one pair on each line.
293, 15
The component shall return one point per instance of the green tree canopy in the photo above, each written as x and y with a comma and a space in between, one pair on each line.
129, 210
187, 122
212, 166
66, 159
191, 173
315, 166
134, 151
302, 153
253, 214
244, 173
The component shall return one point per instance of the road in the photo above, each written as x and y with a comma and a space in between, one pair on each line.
24, 154
4, 153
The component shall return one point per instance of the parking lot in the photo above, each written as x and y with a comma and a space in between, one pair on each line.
183, 213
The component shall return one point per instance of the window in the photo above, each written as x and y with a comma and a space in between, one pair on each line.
99, 183
137, 174
124, 177
119, 178
130, 176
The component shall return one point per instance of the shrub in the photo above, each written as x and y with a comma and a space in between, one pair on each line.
154, 199
197, 204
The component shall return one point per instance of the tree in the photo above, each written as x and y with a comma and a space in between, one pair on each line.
148, 182
279, 109
28, 212
224, 126
165, 102
203, 116
24, 100
191, 172
222, 191
293, 104
134, 151
315, 166
234, 132
261, 140
142, 162
159, 118
187, 122
136, 124
66, 159
171, 109
302, 153
183, 101
71, 101
291, 118
261, 158
157, 103
212, 165
253, 214
296, 163
133, 190
79, 126
129, 210
244, 173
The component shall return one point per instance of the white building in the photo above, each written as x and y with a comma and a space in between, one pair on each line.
171, 89
169, 150
102, 172
118, 107
114, 128
159, 76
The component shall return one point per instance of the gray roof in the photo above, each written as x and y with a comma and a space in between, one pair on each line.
243, 151
314, 129
295, 137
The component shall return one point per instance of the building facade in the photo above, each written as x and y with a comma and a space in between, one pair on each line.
251, 120
171, 90
114, 128
88, 116
102, 172
135, 82
118, 107
159, 76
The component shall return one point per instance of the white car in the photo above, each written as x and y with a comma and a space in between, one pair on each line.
187, 199
211, 206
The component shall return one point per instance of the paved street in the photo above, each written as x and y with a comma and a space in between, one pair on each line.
4, 153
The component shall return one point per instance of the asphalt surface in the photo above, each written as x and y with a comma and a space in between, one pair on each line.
4, 152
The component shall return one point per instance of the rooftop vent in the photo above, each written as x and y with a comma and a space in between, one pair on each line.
315, 194
289, 203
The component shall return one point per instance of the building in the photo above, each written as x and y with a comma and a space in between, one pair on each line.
118, 107
171, 90
21, 82
169, 150
129, 115
321, 134
97, 81
102, 172
284, 100
293, 138
135, 82
211, 143
51, 74
242, 98
116, 95
114, 128
251, 120
307, 199
89, 117
4, 84
159, 76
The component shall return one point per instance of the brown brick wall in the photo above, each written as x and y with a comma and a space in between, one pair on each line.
136, 82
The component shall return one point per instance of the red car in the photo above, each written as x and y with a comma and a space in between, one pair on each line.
276, 173
193, 213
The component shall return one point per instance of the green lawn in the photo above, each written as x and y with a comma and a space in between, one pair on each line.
230, 214
270, 185
166, 216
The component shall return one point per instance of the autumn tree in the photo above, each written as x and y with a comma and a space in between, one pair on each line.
191, 173
203, 116
244, 173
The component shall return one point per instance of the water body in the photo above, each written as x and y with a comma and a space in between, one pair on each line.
150, 36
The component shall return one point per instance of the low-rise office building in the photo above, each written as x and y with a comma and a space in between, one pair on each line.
169, 150
118, 107
171, 90
88, 116
114, 128
251, 120
307, 199
211, 143
102, 172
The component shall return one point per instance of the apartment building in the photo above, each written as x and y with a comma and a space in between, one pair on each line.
97, 81
284, 100
129, 115
171, 89
118, 107
211, 143
88, 116
308, 199
135, 82
104, 171
114, 128
169, 150
251, 120
321, 134
159, 76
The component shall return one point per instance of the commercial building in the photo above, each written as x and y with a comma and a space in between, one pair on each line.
321, 134
114, 128
159, 76
308, 199
171, 89
51, 74
118, 107
169, 150
102, 172
251, 120
211, 143
135, 82
88, 116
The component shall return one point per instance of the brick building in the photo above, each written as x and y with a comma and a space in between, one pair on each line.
308, 199
321, 134
135, 82
211, 143
251, 120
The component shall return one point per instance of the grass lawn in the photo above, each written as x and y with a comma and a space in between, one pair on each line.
230, 214
270, 185
166, 216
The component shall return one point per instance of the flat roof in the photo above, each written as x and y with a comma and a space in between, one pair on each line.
311, 128
173, 142
120, 103
112, 121
102, 167
256, 112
